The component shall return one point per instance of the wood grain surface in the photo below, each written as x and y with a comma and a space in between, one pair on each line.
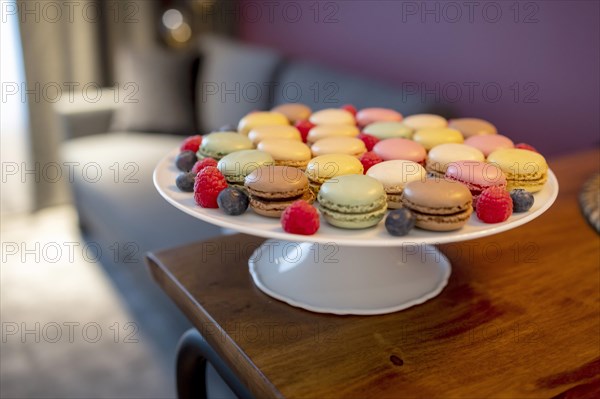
520, 317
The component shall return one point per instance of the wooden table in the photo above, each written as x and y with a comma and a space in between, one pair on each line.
519, 318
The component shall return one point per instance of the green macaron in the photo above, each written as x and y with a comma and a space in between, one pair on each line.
352, 201
217, 145
237, 165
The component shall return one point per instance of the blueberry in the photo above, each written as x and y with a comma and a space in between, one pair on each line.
185, 181
399, 222
227, 128
185, 161
522, 200
233, 201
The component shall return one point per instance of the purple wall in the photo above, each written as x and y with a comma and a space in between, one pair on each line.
545, 66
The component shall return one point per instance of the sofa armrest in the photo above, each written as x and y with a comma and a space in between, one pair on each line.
84, 114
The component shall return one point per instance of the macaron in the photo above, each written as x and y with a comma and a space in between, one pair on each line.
217, 145
339, 145
325, 167
431, 137
425, 121
524, 169
324, 131
287, 152
332, 116
394, 175
388, 130
369, 115
472, 126
477, 176
273, 188
237, 165
294, 112
440, 156
438, 204
257, 134
400, 149
352, 201
489, 143
260, 118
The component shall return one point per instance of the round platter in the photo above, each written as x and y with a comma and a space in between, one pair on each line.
251, 223
359, 272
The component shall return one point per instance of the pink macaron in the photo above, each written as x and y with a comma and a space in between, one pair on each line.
477, 176
367, 116
398, 148
489, 143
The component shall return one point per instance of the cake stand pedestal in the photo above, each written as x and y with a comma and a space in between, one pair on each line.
328, 278
360, 272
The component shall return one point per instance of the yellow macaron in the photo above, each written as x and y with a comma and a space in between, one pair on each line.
388, 130
339, 145
440, 156
260, 133
429, 138
287, 152
524, 169
324, 131
332, 116
325, 167
260, 118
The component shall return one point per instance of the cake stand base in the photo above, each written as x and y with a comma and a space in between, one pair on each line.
328, 278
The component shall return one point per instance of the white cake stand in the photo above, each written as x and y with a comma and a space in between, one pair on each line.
360, 272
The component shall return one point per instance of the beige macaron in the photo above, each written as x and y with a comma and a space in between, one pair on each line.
394, 175
294, 111
470, 127
287, 152
324, 131
332, 116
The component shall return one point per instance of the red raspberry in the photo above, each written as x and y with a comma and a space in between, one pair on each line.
203, 163
369, 159
209, 183
524, 146
300, 218
191, 143
304, 126
369, 140
350, 108
494, 205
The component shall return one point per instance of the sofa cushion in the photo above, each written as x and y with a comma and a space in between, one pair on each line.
156, 91
235, 79
320, 87
115, 195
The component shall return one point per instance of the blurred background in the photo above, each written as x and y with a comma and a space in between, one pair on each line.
95, 92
